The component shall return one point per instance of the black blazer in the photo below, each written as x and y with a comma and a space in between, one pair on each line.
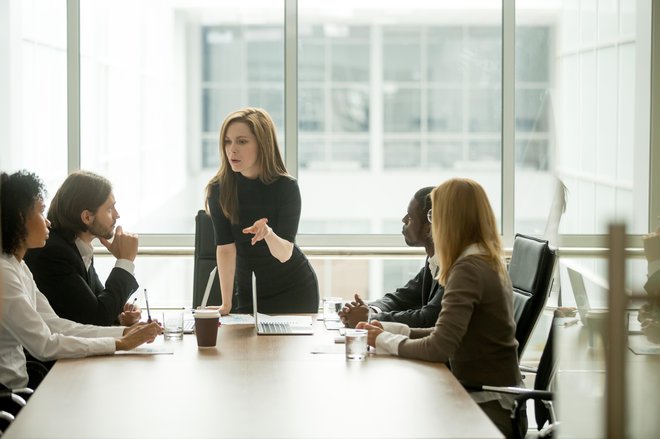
417, 304
73, 292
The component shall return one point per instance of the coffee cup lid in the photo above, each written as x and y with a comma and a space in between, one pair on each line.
206, 313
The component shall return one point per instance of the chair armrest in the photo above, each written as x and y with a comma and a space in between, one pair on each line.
527, 369
18, 400
23, 391
6, 416
523, 394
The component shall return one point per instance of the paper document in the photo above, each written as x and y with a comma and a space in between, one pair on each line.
237, 319
146, 350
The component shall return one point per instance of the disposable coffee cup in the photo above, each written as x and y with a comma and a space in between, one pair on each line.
206, 327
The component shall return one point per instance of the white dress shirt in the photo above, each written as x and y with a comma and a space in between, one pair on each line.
87, 253
29, 321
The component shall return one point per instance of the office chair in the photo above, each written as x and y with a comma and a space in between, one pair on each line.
37, 370
543, 409
204, 260
530, 269
11, 402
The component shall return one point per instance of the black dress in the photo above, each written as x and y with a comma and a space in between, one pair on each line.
289, 287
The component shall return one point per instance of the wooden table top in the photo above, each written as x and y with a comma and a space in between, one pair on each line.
250, 386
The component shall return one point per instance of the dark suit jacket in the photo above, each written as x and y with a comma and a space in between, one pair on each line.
417, 304
73, 292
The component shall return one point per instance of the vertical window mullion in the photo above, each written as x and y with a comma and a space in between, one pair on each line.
291, 86
654, 172
73, 84
508, 120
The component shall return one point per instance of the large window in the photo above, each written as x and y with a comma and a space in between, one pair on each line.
391, 96
33, 87
393, 103
582, 113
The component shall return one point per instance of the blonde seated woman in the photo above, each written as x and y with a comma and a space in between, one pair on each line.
475, 331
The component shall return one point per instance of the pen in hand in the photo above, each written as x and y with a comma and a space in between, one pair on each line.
146, 299
131, 307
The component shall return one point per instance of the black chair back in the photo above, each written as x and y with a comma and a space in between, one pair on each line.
530, 269
544, 375
204, 261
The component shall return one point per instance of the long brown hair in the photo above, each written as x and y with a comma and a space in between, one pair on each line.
462, 216
269, 160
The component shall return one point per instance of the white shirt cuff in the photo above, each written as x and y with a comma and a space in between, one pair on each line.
653, 267
126, 265
396, 328
388, 343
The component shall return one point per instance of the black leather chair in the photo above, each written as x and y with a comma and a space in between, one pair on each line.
11, 402
530, 269
544, 412
204, 261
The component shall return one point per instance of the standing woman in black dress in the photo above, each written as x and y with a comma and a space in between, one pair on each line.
255, 207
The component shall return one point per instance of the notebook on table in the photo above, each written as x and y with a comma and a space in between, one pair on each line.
279, 325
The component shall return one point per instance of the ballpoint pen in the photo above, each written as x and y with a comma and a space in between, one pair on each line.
146, 299
132, 306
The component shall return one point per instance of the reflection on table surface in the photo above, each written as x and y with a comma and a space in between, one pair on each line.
581, 387
251, 386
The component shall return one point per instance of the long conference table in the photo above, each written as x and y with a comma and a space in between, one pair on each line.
250, 386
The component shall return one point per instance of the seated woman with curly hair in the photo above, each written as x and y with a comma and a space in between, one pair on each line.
27, 320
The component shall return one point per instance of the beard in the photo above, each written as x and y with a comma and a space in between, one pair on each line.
100, 231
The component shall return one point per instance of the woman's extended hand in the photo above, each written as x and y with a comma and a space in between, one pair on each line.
222, 309
260, 230
375, 328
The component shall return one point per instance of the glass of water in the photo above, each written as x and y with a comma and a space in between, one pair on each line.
173, 323
356, 344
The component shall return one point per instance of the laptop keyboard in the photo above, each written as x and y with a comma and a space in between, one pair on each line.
188, 326
274, 327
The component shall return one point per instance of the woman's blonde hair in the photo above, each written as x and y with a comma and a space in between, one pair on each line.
269, 159
462, 216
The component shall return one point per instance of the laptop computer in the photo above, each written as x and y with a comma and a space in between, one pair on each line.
189, 318
583, 306
279, 325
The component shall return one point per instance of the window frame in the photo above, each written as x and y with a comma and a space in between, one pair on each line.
594, 242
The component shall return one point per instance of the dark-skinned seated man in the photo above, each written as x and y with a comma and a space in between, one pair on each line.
417, 304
